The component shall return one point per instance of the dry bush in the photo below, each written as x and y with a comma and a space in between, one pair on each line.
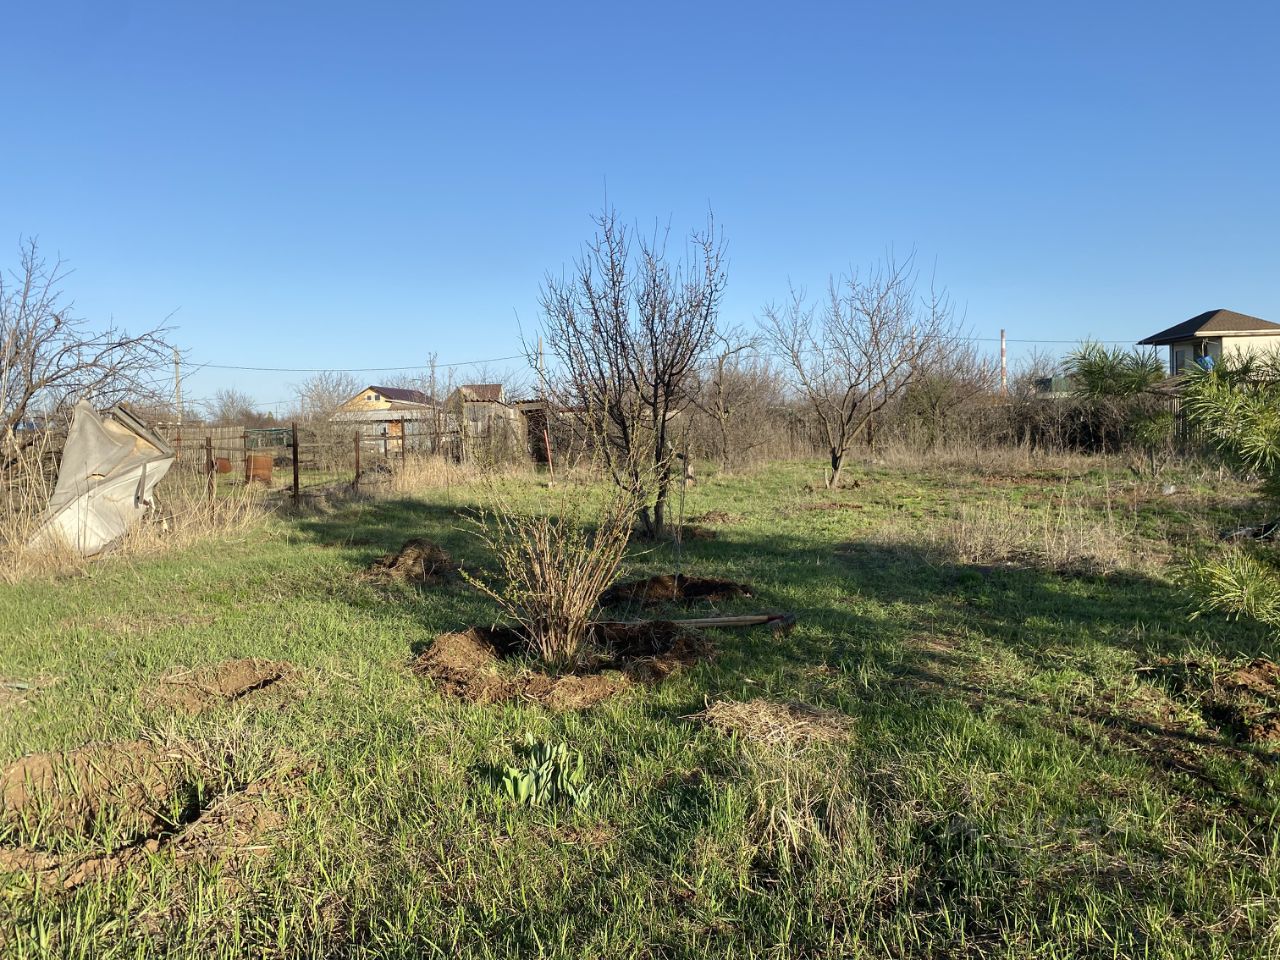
1068, 534
553, 569
190, 517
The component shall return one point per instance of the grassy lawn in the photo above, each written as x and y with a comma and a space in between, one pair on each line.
1027, 771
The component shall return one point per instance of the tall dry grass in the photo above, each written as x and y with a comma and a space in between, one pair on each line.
422, 472
983, 460
1068, 533
185, 516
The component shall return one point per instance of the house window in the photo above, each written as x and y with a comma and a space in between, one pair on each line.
374, 397
1179, 360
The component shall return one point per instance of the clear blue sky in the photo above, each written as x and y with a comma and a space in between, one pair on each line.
360, 184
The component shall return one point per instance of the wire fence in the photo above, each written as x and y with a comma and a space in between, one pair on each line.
300, 457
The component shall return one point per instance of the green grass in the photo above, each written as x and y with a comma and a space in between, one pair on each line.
1017, 784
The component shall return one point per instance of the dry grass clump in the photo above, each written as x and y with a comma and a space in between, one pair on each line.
427, 472
988, 461
1067, 535
772, 723
553, 568
185, 517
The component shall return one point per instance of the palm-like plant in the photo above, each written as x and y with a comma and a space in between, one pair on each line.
1236, 405
1119, 386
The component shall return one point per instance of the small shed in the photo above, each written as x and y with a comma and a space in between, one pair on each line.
1213, 335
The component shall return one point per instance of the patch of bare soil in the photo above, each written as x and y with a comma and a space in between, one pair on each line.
1243, 701
771, 722
469, 665
124, 802
665, 588
694, 531
419, 561
217, 684
722, 517
14, 692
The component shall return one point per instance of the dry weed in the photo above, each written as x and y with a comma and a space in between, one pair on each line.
1067, 535
987, 461
773, 723
186, 517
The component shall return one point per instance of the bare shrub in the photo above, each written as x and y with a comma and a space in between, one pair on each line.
553, 568
49, 358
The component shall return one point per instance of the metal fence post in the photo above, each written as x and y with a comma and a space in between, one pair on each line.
355, 484
294, 427
210, 469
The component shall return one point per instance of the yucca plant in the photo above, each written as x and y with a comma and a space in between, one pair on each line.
1236, 405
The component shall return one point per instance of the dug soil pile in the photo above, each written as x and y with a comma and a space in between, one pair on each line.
665, 588
419, 561
490, 665
1242, 701
81, 815
217, 684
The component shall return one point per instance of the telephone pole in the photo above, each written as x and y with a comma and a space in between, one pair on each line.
1004, 367
177, 384
546, 415
177, 400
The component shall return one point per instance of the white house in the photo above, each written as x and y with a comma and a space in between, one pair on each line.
1215, 334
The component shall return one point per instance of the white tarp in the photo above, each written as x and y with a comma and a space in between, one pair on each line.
110, 466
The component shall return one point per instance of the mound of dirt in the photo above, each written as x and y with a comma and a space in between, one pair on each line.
128, 789
721, 517
665, 588
129, 800
490, 665
419, 561
772, 723
217, 684
1243, 701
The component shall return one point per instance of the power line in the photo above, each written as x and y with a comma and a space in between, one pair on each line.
520, 356
420, 366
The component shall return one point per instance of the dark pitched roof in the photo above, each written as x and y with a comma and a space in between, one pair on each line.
485, 392
1212, 323
402, 394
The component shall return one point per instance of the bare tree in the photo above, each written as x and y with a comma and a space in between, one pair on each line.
854, 355
951, 377
738, 395
322, 393
231, 407
628, 330
50, 359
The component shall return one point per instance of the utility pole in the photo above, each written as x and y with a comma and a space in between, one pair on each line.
177, 398
546, 414
1004, 367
